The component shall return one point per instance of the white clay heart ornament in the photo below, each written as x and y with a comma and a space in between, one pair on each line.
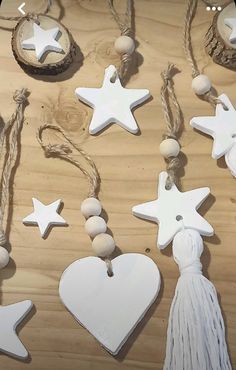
110, 307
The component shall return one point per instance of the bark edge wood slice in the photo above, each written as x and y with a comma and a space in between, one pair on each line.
52, 63
217, 42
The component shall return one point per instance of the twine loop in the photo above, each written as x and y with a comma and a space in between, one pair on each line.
174, 120
63, 151
126, 29
188, 49
11, 129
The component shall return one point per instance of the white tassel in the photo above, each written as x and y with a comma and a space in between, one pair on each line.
230, 159
196, 331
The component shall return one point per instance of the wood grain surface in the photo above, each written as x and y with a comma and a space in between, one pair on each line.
129, 166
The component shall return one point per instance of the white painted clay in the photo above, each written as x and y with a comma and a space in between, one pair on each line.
231, 22
222, 127
42, 41
110, 307
44, 216
230, 159
10, 317
171, 204
112, 103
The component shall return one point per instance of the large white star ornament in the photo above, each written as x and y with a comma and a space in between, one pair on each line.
231, 22
10, 317
222, 127
112, 103
42, 41
45, 216
174, 210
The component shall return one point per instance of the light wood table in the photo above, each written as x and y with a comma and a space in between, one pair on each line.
129, 167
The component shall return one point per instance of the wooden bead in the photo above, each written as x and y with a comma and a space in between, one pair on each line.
103, 245
169, 148
4, 257
124, 45
91, 207
201, 84
95, 225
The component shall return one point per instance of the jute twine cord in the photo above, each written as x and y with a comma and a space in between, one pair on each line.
63, 151
32, 16
12, 129
126, 30
188, 49
174, 120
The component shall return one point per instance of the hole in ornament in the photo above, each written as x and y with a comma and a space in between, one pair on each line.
225, 108
234, 136
147, 250
179, 218
110, 273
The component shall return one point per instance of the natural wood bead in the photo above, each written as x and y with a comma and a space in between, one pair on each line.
201, 84
91, 207
124, 45
169, 148
4, 257
103, 245
95, 225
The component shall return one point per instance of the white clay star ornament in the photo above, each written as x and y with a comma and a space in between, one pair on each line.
231, 22
43, 41
222, 127
45, 216
175, 210
10, 317
112, 103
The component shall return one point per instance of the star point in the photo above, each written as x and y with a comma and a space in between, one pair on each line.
45, 216
222, 127
42, 41
10, 317
174, 210
112, 103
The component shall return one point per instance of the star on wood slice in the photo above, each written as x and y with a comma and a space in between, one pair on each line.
42, 41
222, 127
45, 216
10, 317
174, 210
231, 22
112, 103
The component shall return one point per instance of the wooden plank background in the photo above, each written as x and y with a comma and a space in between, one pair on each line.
129, 167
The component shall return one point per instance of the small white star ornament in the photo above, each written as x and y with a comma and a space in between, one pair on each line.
10, 317
231, 22
222, 128
45, 216
112, 103
174, 210
42, 41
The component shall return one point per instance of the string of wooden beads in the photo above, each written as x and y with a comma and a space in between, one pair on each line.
103, 244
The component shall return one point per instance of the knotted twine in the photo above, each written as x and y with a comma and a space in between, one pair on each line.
10, 132
125, 27
32, 16
64, 151
188, 49
174, 121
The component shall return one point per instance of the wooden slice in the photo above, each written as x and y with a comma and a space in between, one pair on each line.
217, 42
52, 63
